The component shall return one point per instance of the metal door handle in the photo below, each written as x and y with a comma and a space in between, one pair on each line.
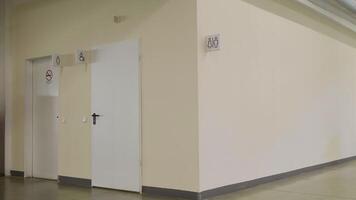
94, 115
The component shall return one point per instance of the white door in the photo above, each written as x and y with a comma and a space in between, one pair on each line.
116, 134
45, 110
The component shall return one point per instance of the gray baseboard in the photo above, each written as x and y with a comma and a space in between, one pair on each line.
80, 182
256, 182
238, 186
170, 192
17, 173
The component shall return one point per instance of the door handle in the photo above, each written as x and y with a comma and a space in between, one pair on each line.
94, 115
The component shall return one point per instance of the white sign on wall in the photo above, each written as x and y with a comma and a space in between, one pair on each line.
56, 60
213, 42
80, 57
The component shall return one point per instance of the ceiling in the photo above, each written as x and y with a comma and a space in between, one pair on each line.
341, 11
349, 5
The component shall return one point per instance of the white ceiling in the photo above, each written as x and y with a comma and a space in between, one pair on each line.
348, 4
343, 8
341, 11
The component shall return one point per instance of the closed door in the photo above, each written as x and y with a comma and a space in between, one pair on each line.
45, 110
116, 131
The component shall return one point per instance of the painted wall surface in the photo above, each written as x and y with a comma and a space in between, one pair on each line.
8, 89
167, 29
2, 87
279, 96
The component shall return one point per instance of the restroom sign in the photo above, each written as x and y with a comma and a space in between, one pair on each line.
213, 42
49, 75
56, 60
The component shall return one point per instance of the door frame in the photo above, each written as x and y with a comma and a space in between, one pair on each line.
139, 107
28, 121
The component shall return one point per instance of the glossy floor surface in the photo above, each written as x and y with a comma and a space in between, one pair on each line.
332, 183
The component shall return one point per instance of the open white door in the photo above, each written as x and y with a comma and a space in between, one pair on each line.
45, 111
116, 132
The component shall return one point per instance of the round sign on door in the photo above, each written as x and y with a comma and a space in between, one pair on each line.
49, 76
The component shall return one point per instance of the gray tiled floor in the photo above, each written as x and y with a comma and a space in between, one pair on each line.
333, 183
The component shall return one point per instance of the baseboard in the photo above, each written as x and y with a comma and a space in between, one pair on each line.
170, 192
80, 182
17, 173
256, 182
236, 187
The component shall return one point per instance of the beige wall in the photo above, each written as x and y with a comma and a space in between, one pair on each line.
167, 29
2, 87
279, 96
8, 89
